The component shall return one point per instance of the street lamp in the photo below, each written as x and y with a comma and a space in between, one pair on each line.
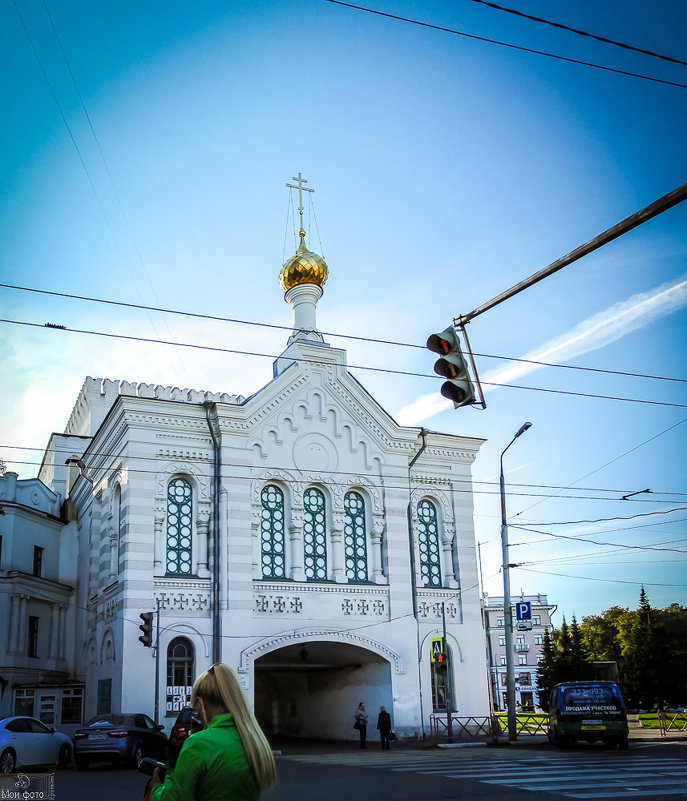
507, 616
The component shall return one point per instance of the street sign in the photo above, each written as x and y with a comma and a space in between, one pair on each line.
437, 653
523, 610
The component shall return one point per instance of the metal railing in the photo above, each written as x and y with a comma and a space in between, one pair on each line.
487, 727
464, 728
526, 724
671, 722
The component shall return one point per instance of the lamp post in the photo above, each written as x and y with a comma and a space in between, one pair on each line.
507, 616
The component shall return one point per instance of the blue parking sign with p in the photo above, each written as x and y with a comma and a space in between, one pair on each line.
523, 610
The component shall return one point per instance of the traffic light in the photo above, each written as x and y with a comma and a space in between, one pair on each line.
146, 628
452, 365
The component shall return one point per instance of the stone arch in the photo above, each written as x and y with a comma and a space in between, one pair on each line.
194, 634
248, 656
453, 643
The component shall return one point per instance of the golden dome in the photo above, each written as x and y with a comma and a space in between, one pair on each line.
305, 267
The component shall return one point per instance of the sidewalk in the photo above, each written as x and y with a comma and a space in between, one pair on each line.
293, 746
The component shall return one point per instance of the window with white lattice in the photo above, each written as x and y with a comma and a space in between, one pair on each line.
179, 527
428, 544
314, 535
355, 537
272, 542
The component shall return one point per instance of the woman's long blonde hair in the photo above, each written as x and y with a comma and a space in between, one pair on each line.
219, 686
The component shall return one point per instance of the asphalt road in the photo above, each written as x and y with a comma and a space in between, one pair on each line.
516, 773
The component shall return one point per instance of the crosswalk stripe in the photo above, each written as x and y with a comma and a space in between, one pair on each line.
575, 775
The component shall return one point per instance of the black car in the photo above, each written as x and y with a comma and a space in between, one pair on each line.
188, 722
119, 737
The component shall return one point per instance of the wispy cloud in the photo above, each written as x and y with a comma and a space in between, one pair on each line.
593, 333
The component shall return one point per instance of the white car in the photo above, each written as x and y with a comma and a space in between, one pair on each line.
26, 741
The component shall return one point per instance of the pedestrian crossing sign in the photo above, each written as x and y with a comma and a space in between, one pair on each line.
437, 653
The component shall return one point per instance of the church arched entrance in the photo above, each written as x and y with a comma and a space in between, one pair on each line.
312, 689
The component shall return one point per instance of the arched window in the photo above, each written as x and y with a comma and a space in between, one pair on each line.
440, 680
180, 670
272, 532
428, 541
179, 511
314, 536
355, 537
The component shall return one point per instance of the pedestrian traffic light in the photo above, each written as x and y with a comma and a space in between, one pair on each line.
146, 628
452, 365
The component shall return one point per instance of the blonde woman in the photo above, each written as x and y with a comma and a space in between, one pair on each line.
229, 759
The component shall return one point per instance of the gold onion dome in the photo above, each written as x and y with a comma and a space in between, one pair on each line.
304, 267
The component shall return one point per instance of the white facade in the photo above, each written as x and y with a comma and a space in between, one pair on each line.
299, 535
38, 577
527, 649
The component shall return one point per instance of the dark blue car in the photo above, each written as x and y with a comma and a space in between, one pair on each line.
119, 737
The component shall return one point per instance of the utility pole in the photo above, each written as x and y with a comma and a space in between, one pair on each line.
507, 615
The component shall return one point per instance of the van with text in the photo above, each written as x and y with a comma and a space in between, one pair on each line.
589, 711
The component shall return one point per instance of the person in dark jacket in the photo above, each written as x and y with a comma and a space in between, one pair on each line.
384, 726
361, 723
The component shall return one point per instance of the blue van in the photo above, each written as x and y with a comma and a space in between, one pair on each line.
587, 710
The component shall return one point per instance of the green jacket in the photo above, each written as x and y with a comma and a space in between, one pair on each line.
211, 767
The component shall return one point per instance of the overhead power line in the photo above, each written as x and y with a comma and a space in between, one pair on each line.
606, 580
236, 351
610, 519
66, 452
563, 27
596, 542
509, 44
426, 482
373, 340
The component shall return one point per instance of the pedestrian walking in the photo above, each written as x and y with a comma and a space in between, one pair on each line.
384, 726
230, 759
361, 723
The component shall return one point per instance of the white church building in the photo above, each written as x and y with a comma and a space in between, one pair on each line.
300, 535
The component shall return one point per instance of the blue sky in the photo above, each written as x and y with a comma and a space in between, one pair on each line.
446, 170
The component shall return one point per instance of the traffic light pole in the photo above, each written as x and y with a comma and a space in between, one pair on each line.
157, 663
449, 666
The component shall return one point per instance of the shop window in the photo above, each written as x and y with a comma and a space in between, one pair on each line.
272, 545
428, 541
72, 704
23, 702
314, 535
355, 537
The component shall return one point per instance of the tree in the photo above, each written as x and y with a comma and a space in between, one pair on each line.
579, 665
546, 671
601, 634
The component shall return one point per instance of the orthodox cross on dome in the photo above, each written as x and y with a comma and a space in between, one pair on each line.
300, 189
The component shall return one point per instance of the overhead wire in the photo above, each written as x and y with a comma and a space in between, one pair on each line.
454, 479
596, 578
579, 32
596, 542
91, 182
424, 481
510, 45
236, 351
358, 338
607, 464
